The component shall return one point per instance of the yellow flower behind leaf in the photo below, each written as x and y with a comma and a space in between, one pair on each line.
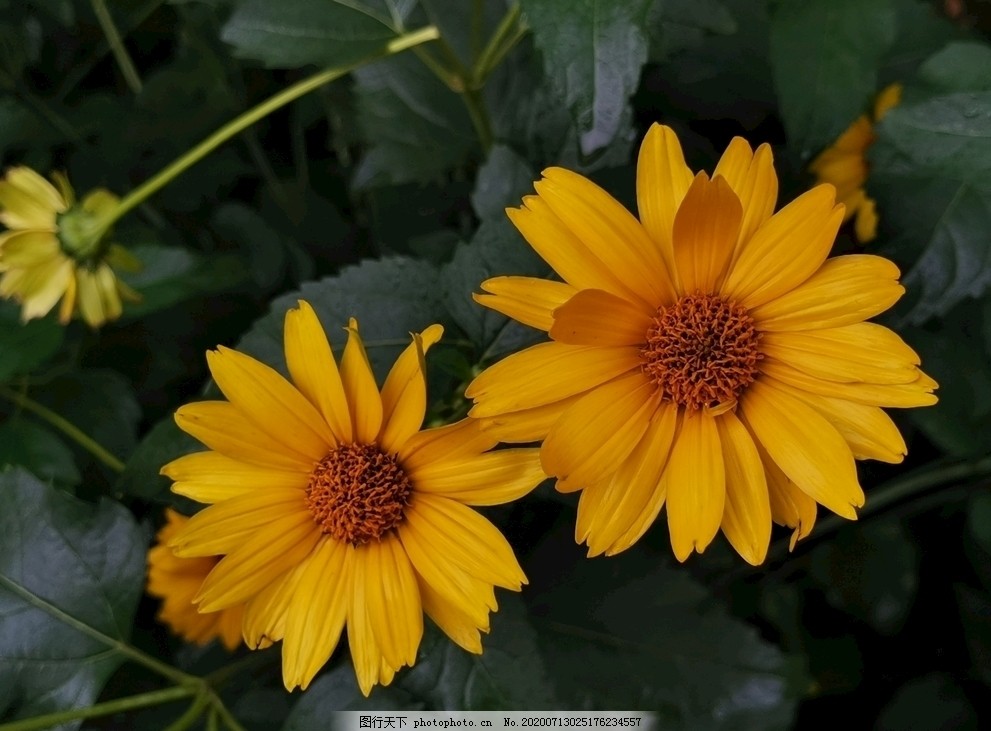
844, 165
176, 580
707, 358
53, 250
331, 507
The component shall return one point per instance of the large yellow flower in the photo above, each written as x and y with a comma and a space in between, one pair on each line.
844, 164
331, 507
176, 580
53, 250
707, 356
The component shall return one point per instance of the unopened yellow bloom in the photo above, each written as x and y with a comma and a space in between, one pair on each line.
332, 508
176, 580
844, 164
52, 250
707, 357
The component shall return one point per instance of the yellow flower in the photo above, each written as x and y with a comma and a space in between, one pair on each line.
331, 507
53, 250
707, 356
844, 164
176, 580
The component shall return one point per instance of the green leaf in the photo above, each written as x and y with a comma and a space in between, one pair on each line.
141, 476
932, 701
25, 345
171, 274
508, 675
676, 25
824, 56
415, 127
929, 176
922, 29
502, 181
593, 52
295, 33
871, 572
263, 247
979, 520
961, 66
38, 450
390, 299
630, 632
495, 249
68, 571
975, 618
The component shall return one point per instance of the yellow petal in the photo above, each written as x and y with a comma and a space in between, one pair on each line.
563, 250
392, 599
527, 425
270, 402
902, 395
696, 485
100, 201
786, 250
747, 515
546, 373
459, 535
456, 441
54, 277
631, 489
316, 613
863, 351
593, 437
265, 613
662, 182
889, 98
222, 427
35, 186
595, 317
865, 226
224, 527
404, 394
314, 371
452, 621
209, 477
644, 520
364, 401
525, 299
493, 478
68, 300
106, 284
806, 447
789, 505
25, 201
30, 248
273, 550
365, 653
610, 231
91, 303
752, 178
847, 289
706, 230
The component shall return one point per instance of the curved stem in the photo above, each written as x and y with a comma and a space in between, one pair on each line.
232, 128
117, 45
65, 426
506, 35
130, 703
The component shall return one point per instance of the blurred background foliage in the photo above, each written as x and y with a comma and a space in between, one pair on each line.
381, 196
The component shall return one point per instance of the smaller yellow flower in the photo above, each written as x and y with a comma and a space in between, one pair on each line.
54, 249
176, 580
844, 164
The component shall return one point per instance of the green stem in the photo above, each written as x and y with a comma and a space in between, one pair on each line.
232, 128
191, 714
64, 426
130, 703
479, 117
506, 35
117, 45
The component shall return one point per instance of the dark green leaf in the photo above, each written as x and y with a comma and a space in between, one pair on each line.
593, 52
975, 616
141, 476
337, 690
64, 564
929, 175
932, 701
295, 33
502, 181
25, 345
676, 25
922, 29
871, 572
961, 66
390, 299
630, 632
415, 127
38, 450
825, 55
171, 274
979, 520
263, 247
464, 31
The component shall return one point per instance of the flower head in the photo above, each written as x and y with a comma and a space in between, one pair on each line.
176, 580
844, 164
707, 357
54, 249
331, 507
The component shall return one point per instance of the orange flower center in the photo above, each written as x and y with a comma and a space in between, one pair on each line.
701, 351
357, 493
